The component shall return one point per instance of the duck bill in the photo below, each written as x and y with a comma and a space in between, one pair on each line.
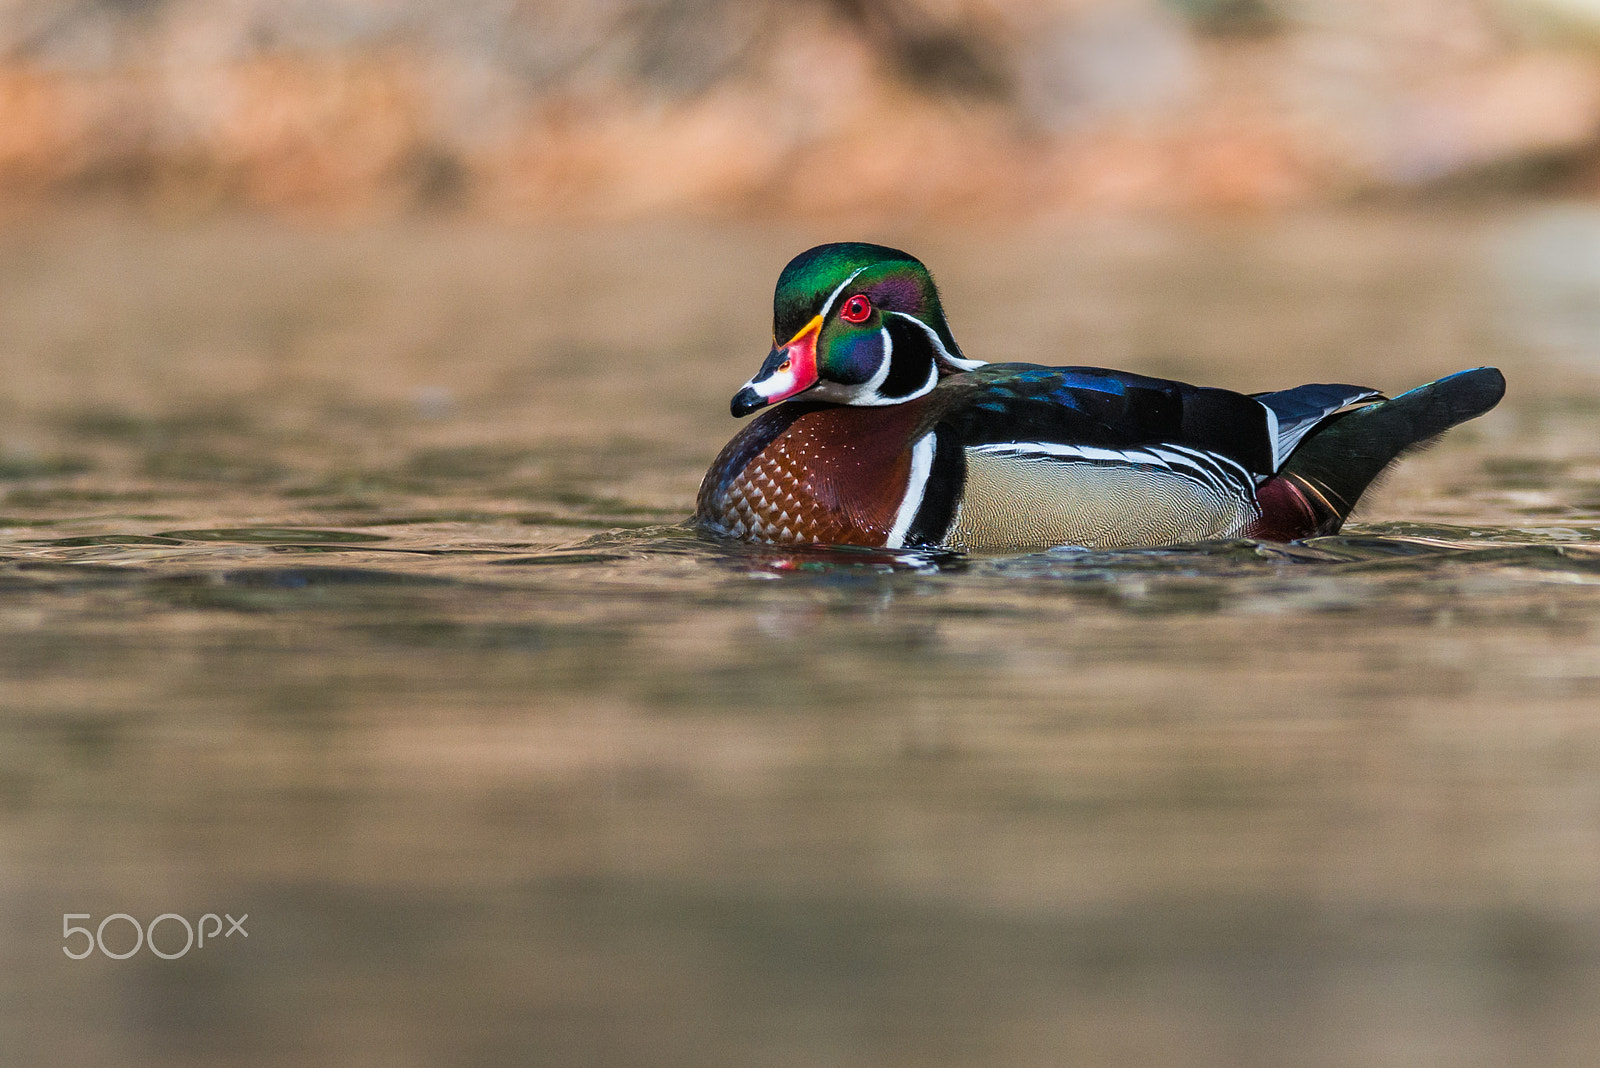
789, 369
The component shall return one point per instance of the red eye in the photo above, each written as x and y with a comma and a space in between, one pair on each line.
856, 309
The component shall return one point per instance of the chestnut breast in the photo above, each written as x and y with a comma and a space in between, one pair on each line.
814, 474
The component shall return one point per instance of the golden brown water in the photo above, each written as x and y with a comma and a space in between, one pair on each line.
341, 585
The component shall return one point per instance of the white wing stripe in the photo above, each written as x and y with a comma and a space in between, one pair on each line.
1225, 466
1272, 436
1214, 475
1048, 448
1222, 474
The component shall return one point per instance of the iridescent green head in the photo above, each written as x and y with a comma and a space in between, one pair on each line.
864, 326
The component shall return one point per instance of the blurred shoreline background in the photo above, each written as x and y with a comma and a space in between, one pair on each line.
611, 109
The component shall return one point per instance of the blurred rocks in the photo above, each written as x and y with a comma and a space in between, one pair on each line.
605, 108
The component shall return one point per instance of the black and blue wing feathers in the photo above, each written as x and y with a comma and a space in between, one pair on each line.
1015, 403
1300, 410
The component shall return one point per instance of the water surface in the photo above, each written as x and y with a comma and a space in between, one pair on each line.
343, 583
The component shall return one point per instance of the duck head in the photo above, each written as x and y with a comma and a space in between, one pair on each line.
864, 326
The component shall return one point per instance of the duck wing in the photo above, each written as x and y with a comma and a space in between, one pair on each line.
1101, 458
1297, 412
1091, 412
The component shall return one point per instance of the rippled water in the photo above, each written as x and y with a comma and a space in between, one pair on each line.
343, 583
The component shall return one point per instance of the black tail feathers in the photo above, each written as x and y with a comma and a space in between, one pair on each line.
1338, 460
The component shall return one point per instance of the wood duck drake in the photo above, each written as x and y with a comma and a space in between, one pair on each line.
888, 436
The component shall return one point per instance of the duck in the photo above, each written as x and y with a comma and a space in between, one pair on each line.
875, 430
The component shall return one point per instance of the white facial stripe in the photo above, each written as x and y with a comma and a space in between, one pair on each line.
882, 373
867, 395
938, 343
916, 488
827, 304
